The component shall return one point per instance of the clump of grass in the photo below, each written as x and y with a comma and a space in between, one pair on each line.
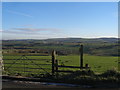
76, 76
111, 73
46, 75
18, 74
83, 73
5, 73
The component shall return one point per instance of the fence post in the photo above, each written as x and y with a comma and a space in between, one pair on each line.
81, 56
56, 67
86, 65
53, 61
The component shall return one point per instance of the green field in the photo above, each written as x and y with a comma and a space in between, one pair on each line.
98, 64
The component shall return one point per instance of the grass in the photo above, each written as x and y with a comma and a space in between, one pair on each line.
98, 64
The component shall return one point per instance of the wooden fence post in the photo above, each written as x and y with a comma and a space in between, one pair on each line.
56, 67
86, 65
81, 56
53, 61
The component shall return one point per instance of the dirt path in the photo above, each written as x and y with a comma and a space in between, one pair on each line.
23, 85
26, 84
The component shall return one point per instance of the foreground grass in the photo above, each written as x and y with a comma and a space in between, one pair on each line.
108, 79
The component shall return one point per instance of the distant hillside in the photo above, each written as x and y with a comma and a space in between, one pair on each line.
64, 46
83, 40
71, 40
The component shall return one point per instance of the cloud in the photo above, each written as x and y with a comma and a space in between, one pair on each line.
18, 32
19, 13
36, 29
28, 25
31, 31
1, 30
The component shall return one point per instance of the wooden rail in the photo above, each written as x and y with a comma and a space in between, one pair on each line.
73, 67
68, 66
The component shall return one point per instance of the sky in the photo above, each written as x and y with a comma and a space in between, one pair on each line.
42, 20
60, 0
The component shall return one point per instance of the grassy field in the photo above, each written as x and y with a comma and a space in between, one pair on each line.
98, 64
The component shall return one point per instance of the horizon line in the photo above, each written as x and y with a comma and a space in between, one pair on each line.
60, 38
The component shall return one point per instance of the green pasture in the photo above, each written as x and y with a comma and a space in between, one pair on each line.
98, 64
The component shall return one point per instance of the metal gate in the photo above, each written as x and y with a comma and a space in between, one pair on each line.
27, 64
